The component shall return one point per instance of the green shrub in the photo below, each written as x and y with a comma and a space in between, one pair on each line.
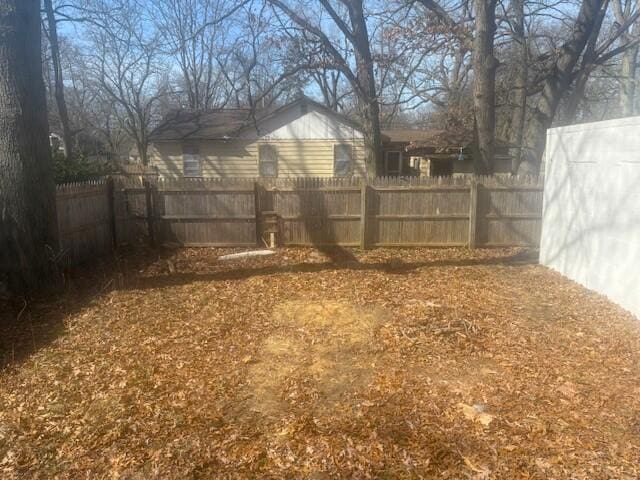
79, 168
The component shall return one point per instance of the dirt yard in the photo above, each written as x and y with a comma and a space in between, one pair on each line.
443, 364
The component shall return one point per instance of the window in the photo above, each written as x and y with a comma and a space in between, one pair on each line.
414, 166
191, 166
268, 160
393, 163
441, 168
342, 160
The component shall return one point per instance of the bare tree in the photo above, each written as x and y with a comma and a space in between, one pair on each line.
89, 105
521, 72
125, 64
264, 73
484, 72
569, 69
557, 80
54, 44
28, 228
623, 10
385, 61
352, 23
484, 84
329, 83
197, 37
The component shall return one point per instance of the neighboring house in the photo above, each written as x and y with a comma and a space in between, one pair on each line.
56, 143
433, 153
300, 139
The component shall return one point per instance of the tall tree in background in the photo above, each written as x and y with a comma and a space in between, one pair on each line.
197, 38
520, 75
54, 45
565, 79
484, 64
484, 84
556, 83
28, 228
623, 10
584, 68
353, 25
125, 64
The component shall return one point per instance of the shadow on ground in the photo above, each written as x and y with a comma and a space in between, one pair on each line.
29, 324
338, 261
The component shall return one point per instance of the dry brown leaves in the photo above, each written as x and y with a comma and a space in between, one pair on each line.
379, 364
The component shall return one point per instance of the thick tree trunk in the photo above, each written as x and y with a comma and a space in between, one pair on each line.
484, 81
143, 151
628, 68
28, 227
556, 86
67, 134
628, 62
367, 97
370, 115
519, 84
587, 65
577, 96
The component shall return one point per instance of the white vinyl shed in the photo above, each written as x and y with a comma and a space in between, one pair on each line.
591, 214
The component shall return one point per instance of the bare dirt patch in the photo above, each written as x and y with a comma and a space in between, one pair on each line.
324, 350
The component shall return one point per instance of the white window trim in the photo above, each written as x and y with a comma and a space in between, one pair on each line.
193, 155
275, 149
351, 160
386, 161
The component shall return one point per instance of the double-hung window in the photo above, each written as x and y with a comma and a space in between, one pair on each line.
191, 165
268, 160
342, 160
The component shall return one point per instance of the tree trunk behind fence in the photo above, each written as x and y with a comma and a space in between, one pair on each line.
484, 90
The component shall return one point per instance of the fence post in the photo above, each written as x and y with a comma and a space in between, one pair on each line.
473, 213
364, 187
111, 191
148, 196
256, 193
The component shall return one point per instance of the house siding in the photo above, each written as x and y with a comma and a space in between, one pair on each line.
239, 158
309, 124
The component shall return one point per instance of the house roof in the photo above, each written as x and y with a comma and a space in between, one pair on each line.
416, 140
211, 124
426, 138
408, 135
225, 124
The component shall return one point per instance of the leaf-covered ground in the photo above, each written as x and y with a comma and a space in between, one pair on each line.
380, 364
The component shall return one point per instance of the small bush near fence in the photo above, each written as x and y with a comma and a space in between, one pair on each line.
386, 211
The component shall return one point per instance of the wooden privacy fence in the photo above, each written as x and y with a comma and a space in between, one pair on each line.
383, 212
85, 220
480, 211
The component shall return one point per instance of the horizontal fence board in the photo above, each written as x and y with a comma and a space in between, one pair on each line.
414, 188
419, 244
231, 191
320, 231
421, 232
205, 218
419, 217
220, 232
